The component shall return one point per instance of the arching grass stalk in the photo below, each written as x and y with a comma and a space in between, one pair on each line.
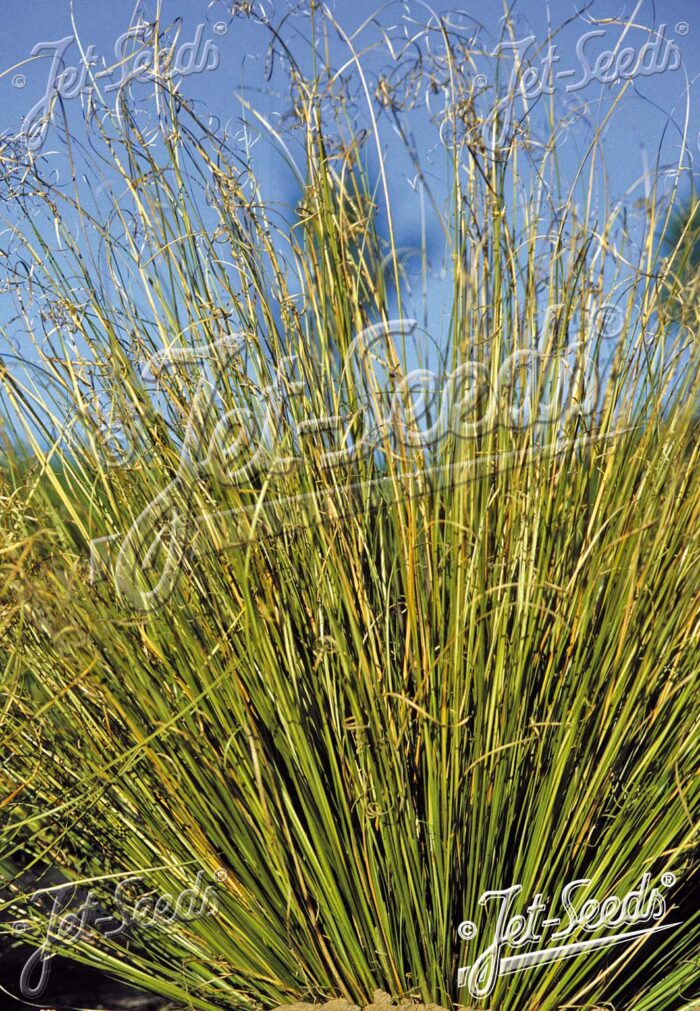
406, 651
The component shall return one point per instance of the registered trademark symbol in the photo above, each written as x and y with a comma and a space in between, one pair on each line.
480, 81
682, 28
221, 874
220, 28
668, 879
19, 81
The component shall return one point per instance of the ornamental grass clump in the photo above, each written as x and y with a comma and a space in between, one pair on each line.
358, 640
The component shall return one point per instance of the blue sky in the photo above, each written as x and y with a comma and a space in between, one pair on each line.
231, 56
26, 24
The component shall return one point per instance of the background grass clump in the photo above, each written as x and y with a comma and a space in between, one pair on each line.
366, 688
